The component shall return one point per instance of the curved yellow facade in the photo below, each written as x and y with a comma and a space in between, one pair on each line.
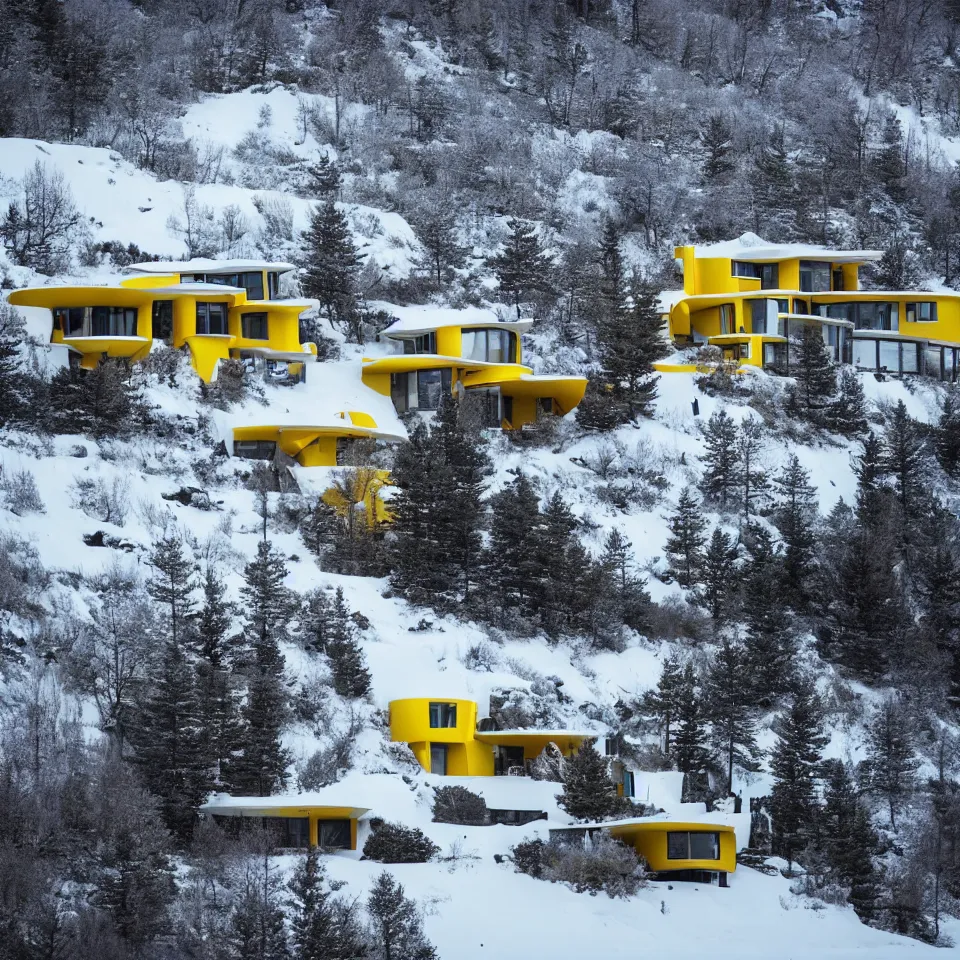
315, 813
524, 395
650, 840
270, 328
426, 723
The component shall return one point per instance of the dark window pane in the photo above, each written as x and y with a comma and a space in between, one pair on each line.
296, 832
254, 326
770, 276
398, 391
162, 319
254, 449
743, 269
253, 284
273, 279
704, 846
100, 322
334, 834
429, 389
677, 846
443, 716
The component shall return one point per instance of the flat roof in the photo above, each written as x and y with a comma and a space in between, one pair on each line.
652, 823
206, 265
749, 246
228, 806
413, 326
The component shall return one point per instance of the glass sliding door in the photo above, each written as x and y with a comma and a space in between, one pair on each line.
438, 759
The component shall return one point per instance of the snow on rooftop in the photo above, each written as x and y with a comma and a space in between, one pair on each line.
206, 265
422, 319
752, 247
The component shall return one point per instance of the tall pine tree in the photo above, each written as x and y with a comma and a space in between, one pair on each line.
684, 548
522, 267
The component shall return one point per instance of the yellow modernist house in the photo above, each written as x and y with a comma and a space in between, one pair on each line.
216, 309
294, 821
444, 737
672, 849
752, 300
349, 441
480, 358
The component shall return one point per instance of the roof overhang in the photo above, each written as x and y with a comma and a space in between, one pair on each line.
257, 807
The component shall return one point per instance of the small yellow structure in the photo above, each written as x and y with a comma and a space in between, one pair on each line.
216, 309
479, 358
348, 442
296, 824
445, 740
752, 301
672, 849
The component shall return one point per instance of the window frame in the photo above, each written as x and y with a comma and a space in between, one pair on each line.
746, 269
261, 446
204, 312
259, 317
913, 306
687, 834
342, 824
444, 711
813, 268
245, 282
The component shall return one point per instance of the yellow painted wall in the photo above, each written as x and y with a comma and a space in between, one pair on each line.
147, 281
283, 326
650, 841
466, 756
321, 453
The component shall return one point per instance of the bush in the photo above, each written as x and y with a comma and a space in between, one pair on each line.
22, 493
605, 864
458, 805
395, 843
108, 502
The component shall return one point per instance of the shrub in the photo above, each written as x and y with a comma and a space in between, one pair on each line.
458, 805
395, 843
605, 864
22, 493
101, 500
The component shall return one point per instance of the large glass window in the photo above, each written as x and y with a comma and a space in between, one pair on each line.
814, 275
273, 281
97, 321
333, 834
770, 276
491, 346
909, 358
443, 716
211, 319
727, 318
923, 312
253, 283
743, 268
877, 315
693, 846
255, 449
889, 356
839, 311
800, 306
254, 326
865, 354
419, 389
425, 343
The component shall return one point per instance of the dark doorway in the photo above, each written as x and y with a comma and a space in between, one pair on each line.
505, 758
438, 758
162, 320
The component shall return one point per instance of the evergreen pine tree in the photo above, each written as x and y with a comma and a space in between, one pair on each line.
753, 480
939, 588
730, 710
168, 736
906, 457
899, 267
461, 506
522, 267
257, 930
625, 592
690, 751
774, 188
330, 267
815, 374
794, 515
316, 621
891, 756
511, 565
684, 549
889, 164
438, 233
395, 925
325, 178
323, 926
219, 698
663, 703
100, 402
721, 461
718, 574
795, 763
319, 528
172, 586
849, 841
717, 140
564, 565
588, 791
946, 438
847, 412
261, 766
12, 332
869, 468
769, 641
351, 678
